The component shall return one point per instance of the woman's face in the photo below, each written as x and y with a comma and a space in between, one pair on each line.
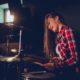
52, 24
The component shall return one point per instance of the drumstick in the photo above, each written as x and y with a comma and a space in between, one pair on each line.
38, 63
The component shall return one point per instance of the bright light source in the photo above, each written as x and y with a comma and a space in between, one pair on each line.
9, 17
14, 50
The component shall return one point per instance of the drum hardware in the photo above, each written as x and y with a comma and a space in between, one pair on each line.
20, 38
15, 57
7, 42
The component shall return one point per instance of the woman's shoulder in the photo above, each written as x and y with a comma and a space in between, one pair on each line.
67, 28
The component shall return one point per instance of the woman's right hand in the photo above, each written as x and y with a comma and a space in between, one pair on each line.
50, 66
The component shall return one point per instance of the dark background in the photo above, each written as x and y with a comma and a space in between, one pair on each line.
31, 15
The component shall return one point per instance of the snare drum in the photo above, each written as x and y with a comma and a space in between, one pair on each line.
39, 75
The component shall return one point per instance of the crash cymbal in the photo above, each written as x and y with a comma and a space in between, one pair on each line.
9, 59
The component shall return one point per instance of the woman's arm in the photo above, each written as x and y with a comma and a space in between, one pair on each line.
72, 47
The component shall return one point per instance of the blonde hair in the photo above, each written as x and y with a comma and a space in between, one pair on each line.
48, 43
49, 48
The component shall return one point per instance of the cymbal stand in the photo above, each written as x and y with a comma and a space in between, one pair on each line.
7, 44
20, 39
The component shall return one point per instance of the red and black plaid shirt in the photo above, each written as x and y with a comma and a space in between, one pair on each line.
66, 45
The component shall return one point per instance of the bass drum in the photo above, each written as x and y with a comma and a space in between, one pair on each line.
39, 75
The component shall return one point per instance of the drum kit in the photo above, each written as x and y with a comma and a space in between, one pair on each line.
10, 50
10, 53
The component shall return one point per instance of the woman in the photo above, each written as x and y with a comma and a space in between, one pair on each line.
64, 52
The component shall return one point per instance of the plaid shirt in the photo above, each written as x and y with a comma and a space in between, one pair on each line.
66, 45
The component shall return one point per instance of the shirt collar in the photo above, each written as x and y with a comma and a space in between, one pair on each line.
61, 30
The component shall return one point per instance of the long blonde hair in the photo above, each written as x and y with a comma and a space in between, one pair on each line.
48, 40
48, 43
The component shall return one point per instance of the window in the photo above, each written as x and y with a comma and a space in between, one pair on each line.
8, 16
5, 15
